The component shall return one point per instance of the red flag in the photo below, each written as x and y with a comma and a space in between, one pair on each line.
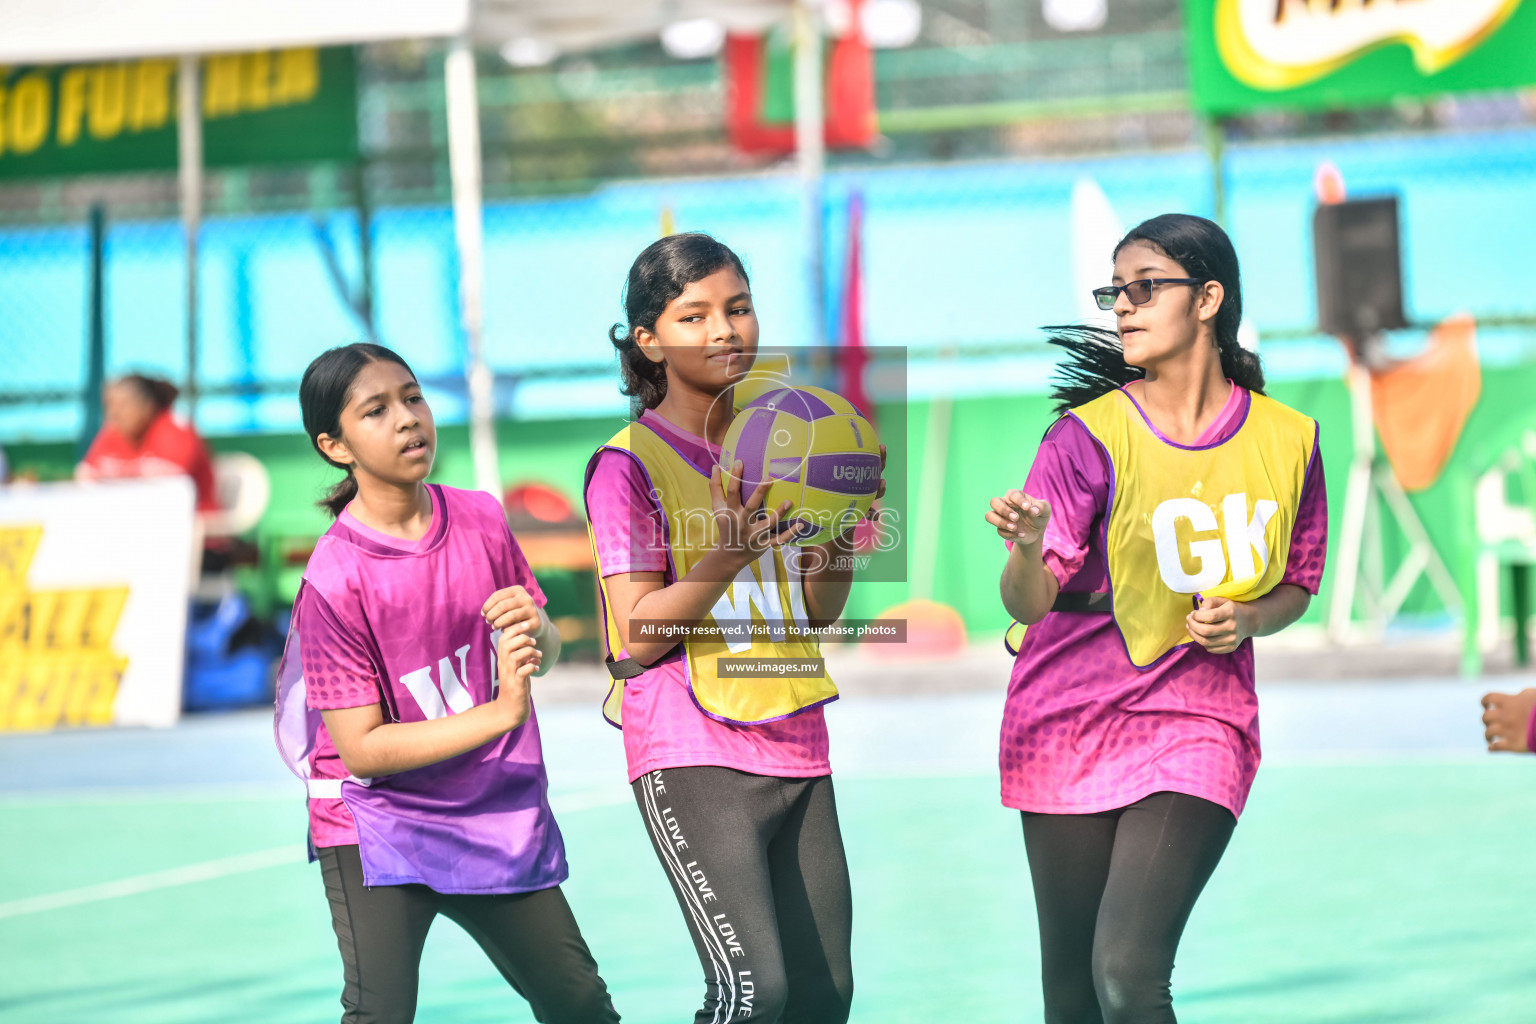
854, 357
852, 120
744, 74
849, 100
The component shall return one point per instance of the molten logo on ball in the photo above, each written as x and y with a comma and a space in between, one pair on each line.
857, 474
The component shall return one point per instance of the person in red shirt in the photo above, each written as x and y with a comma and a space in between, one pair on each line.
142, 437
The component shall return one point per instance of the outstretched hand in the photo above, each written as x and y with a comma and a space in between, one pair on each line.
1019, 518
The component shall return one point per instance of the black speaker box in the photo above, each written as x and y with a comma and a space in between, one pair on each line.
1359, 267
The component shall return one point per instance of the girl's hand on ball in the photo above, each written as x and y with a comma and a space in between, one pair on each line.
745, 529
849, 528
1019, 518
874, 512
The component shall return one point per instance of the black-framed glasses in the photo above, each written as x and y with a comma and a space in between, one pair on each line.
1139, 292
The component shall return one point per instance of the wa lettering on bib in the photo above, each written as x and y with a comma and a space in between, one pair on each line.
766, 593
1213, 521
447, 694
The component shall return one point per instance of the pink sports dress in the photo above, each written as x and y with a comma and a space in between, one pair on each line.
1083, 729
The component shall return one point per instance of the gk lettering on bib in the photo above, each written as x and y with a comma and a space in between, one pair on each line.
1213, 521
766, 594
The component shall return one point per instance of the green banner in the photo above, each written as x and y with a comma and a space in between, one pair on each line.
1310, 54
272, 106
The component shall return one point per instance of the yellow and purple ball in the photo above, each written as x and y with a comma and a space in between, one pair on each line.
817, 450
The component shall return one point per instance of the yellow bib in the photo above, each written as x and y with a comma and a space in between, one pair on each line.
1181, 522
765, 593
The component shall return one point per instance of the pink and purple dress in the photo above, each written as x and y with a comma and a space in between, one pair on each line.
385, 621
1083, 729
663, 727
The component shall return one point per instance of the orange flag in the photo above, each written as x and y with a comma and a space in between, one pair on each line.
1422, 404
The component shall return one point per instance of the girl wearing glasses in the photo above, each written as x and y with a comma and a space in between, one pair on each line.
1173, 513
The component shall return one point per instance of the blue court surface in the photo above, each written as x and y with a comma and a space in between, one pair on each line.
1381, 872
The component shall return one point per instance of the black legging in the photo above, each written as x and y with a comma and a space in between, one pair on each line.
531, 937
1113, 891
757, 865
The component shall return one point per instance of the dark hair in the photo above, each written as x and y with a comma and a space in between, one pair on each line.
1095, 365
1096, 361
323, 393
157, 391
659, 275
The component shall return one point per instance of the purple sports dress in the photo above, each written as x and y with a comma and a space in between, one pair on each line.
385, 621
1083, 729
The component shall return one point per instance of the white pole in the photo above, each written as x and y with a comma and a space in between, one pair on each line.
810, 149
1360, 570
189, 139
930, 502
1356, 535
464, 167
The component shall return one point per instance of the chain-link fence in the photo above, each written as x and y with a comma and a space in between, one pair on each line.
582, 165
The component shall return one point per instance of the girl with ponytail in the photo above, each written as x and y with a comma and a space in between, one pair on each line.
1172, 513
731, 776
403, 702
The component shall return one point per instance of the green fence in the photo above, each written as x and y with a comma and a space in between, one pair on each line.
992, 442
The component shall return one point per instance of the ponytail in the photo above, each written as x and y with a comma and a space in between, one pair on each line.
340, 495
1240, 364
1094, 365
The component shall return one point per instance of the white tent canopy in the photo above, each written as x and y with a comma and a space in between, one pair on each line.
60, 31
63, 31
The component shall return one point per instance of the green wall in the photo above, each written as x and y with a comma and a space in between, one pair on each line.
992, 442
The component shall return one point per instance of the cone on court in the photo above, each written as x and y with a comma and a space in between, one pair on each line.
934, 631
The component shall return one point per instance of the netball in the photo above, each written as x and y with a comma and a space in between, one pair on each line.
817, 450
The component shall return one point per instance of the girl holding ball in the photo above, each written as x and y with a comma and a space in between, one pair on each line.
731, 775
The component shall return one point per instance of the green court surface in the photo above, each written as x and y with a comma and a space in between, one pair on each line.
1381, 888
